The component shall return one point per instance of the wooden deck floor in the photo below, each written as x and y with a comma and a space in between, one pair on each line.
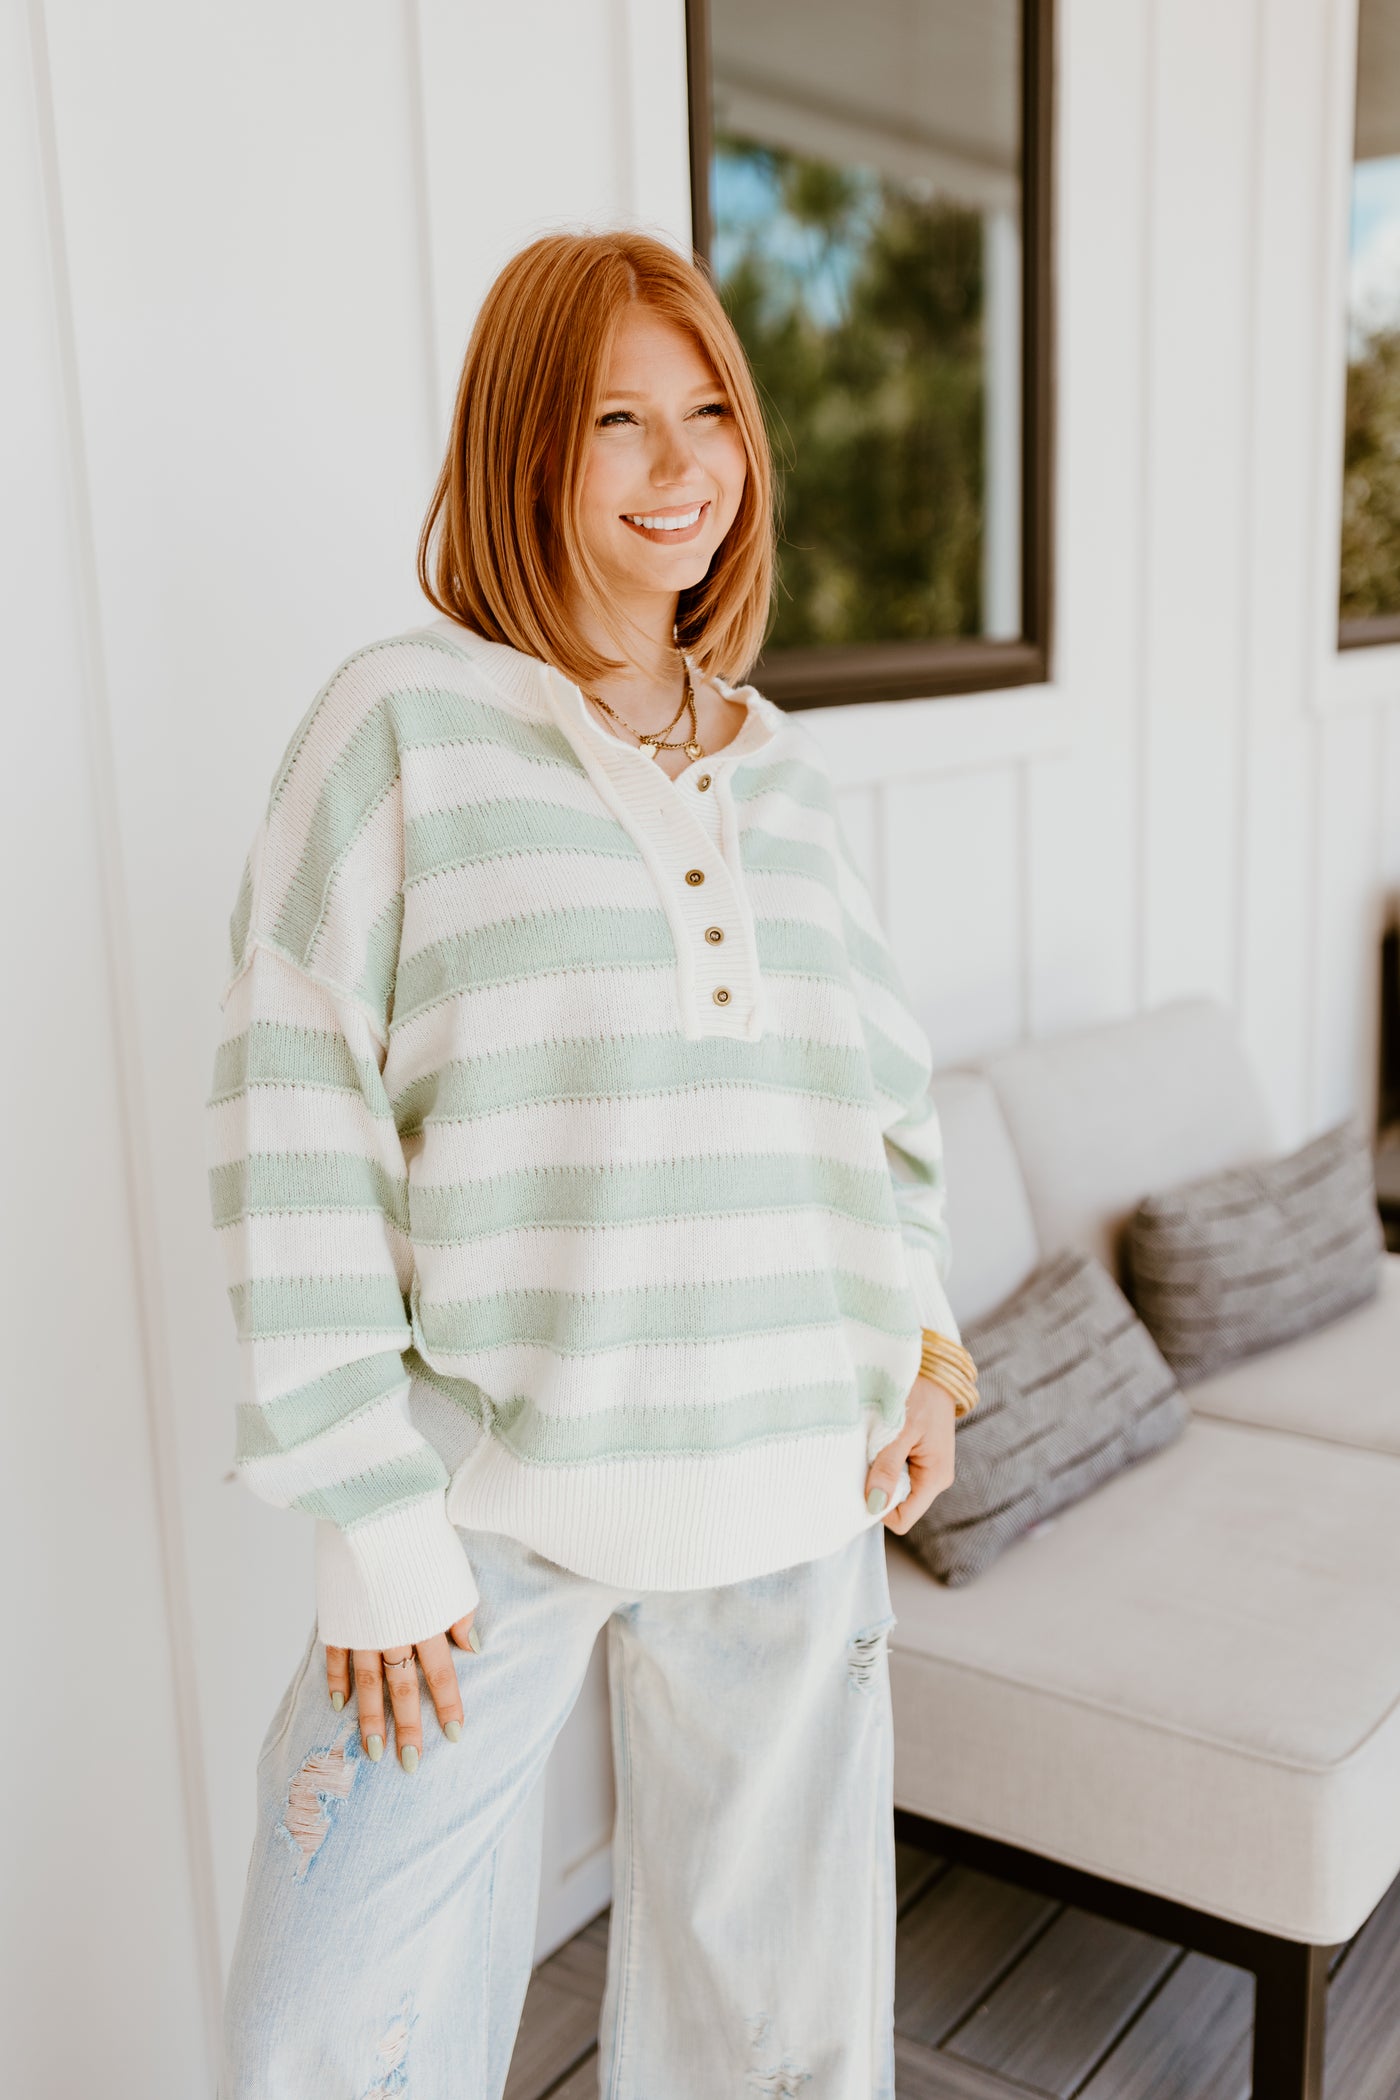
1002, 1995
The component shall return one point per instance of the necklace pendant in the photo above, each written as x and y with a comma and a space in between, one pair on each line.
693, 747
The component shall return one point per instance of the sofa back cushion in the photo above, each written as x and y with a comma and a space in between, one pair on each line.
993, 1239
1102, 1116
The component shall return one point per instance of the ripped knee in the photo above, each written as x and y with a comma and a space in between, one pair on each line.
391, 2070
779, 2081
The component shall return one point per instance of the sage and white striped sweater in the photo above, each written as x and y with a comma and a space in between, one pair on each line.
569, 1144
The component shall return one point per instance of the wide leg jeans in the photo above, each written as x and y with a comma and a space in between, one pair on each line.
388, 1922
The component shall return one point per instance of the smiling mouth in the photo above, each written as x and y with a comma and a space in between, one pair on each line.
668, 528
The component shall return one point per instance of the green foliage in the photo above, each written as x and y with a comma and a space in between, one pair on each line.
860, 307
1370, 577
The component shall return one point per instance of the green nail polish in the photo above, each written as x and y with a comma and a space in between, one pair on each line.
453, 1731
408, 1757
337, 1700
374, 1744
473, 1639
876, 1500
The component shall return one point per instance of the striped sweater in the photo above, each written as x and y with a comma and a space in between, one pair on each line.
569, 1144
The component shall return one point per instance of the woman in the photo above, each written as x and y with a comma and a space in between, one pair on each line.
583, 1203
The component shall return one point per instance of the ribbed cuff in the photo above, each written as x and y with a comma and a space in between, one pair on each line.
392, 1580
929, 1294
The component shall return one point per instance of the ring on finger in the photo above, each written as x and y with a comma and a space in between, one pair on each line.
397, 1662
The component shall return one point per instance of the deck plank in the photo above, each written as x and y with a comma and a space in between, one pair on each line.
1192, 2040
1363, 2035
1058, 2011
921, 2073
954, 1943
581, 1964
582, 2083
557, 2029
914, 1869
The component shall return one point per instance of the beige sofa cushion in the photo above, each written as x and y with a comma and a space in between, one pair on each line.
994, 1247
1341, 1384
1101, 1117
1189, 1683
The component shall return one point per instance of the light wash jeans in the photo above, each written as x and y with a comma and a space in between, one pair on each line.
388, 1928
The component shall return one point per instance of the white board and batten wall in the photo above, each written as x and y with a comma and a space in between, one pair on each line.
242, 249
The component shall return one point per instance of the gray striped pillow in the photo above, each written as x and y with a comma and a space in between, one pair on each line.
1237, 1261
1072, 1388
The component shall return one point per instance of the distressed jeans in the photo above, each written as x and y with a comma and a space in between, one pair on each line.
388, 1922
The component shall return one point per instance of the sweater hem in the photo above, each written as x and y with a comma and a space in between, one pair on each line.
677, 1524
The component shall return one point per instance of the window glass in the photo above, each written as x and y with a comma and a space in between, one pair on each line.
866, 209
1370, 566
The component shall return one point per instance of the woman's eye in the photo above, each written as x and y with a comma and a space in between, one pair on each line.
710, 408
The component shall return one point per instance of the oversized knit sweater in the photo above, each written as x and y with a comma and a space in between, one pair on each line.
569, 1144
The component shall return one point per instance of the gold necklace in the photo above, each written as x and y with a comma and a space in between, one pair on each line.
692, 744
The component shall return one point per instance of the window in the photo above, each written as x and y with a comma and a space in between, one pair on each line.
871, 189
1369, 607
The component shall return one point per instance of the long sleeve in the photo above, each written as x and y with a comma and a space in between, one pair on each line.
309, 1195
901, 1060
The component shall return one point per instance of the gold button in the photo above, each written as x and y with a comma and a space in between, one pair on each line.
695, 875
703, 781
714, 933
721, 995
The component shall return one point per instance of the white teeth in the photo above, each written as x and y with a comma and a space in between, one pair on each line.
665, 524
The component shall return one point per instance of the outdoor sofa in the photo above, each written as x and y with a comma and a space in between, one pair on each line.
1175, 1703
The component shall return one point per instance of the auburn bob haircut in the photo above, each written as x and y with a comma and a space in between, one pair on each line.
505, 512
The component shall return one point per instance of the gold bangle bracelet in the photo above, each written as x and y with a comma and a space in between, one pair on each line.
950, 1365
938, 1349
956, 1367
963, 1402
949, 1374
945, 1344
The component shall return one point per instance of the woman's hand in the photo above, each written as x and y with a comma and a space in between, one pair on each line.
925, 1445
372, 1667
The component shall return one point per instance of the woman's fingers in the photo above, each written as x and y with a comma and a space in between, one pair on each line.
370, 1667
338, 1676
369, 1690
436, 1658
402, 1673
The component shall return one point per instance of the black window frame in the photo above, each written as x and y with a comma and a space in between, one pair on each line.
1360, 630
837, 676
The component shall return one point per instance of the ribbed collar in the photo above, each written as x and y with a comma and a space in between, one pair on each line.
545, 692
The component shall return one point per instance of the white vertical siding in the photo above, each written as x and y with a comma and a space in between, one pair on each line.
107, 1889
1079, 895
244, 249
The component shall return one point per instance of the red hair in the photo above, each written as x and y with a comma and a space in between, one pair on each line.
505, 512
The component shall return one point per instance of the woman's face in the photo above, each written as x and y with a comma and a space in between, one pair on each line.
664, 447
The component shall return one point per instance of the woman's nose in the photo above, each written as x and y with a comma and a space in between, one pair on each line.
673, 457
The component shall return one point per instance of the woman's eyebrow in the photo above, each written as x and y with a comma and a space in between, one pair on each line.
624, 393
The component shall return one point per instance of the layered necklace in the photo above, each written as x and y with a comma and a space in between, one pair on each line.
691, 745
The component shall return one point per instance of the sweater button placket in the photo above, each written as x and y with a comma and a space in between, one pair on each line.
721, 994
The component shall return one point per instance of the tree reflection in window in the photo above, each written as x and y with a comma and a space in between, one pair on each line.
860, 304
1370, 552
